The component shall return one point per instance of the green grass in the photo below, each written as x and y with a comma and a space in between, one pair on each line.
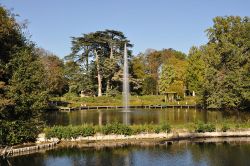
75, 101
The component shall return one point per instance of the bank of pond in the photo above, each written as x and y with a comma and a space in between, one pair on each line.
73, 132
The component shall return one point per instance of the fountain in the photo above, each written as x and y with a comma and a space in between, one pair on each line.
125, 92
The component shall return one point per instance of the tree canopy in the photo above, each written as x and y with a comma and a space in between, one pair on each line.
219, 70
103, 51
23, 91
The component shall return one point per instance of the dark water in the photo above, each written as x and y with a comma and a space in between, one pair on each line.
142, 116
235, 154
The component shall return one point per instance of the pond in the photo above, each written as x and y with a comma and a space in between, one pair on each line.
142, 116
177, 153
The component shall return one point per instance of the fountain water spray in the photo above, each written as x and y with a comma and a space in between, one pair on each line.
125, 80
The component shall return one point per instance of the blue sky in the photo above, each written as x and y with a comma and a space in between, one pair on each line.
156, 24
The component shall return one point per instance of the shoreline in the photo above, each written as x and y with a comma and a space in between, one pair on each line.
98, 145
162, 135
112, 140
69, 109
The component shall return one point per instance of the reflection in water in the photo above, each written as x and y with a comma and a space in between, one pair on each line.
100, 118
126, 118
142, 116
236, 153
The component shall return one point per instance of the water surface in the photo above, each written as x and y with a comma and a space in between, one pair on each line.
142, 116
236, 153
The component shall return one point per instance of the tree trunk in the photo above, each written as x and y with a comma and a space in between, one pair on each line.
87, 63
87, 58
98, 75
111, 51
109, 79
108, 87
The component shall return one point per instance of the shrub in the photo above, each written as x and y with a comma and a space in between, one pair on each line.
116, 128
166, 127
157, 129
68, 132
136, 129
162, 128
225, 127
16, 132
88, 131
203, 127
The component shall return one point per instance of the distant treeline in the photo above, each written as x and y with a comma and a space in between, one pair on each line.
217, 72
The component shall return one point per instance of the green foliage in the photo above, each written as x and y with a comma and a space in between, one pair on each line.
172, 76
146, 70
68, 132
219, 71
27, 91
165, 127
22, 84
116, 128
113, 93
11, 38
137, 129
16, 132
149, 86
204, 127
138, 75
104, 49
162, 128
166, 78
54, 72
196, 70
225, 127
79, 79
27, 86
138, 67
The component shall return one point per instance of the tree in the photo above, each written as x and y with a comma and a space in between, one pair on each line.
148, 86
78, 79
224, 62
195, 70
106, 49
229, 43
167, 77
138, 74
22, 88
27, 92
172, 77
27, 87
115, 41
54, 72
90, 45
11, 39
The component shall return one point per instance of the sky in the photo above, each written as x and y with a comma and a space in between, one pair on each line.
155, 24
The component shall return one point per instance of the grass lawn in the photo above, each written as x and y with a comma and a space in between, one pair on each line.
74, 101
